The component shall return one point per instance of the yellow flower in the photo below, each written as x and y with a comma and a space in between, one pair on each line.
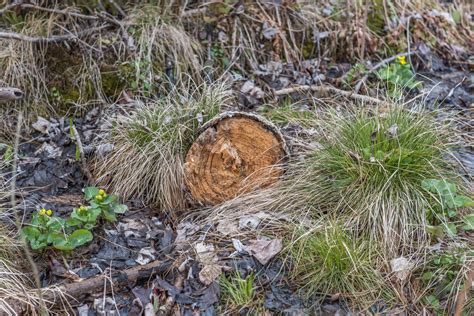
42, 211
402, 60
101, 192
49, 212
99, 197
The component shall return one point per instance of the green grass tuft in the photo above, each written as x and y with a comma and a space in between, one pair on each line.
330, 262
238, 293
151, 143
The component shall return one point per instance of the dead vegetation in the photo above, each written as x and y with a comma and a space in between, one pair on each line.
368, 204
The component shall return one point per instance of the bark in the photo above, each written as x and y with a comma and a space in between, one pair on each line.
234, 154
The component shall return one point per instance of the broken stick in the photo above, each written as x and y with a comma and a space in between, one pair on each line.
329, 89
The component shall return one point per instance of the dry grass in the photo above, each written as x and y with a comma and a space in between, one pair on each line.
150, 145
362, 173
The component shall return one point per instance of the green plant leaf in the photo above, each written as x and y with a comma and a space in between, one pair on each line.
109, 199
468, 222
37, 244
451, 229
109, 216
71, 222
90, 193
80, 237
433, 301
56, 238
120, 208
30, 232
55, 224
463, 201
436, 231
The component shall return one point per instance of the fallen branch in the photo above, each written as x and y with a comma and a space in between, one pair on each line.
326, 89
125, 278
52, 39
377, 66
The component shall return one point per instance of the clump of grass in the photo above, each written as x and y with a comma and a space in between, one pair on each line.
372, 166
368, 170
238, 293
329, 261
150, 145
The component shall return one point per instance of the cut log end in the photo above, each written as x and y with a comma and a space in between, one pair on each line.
234, 154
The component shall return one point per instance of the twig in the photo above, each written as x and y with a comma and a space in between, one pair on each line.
52, 39
66, 11
77, 138
29, 257
462, 296
325, 88
193, 12
377, 66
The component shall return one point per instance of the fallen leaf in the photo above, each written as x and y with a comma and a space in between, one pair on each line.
252, 221
42, 125
209, 273
205, 253
227, 227
146, 255
264, 250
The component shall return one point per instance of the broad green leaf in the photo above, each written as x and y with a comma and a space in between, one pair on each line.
90, 192
433, 301
468, 222
120, 208
110, 216
80, 237
71, 222
37, 244
463, 201
78, 216
427, 276
55, 223
63, 245
436, 231
30, 233
110, 199
56, 238
451, 229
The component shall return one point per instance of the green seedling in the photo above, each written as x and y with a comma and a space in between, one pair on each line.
48, 230
99, 201
444, 214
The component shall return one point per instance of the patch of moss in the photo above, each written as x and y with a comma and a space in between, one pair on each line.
113, 80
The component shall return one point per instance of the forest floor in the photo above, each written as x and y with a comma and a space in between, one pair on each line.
115, 93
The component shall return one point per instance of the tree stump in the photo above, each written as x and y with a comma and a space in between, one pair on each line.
234, 153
